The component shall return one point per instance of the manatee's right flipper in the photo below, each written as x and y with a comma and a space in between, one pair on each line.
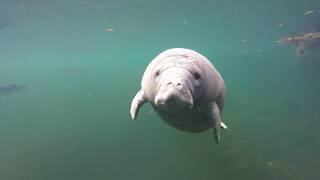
136, 104
217, 123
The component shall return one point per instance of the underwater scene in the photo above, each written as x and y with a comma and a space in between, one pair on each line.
70, 69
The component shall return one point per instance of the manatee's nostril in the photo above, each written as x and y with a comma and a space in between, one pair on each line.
179, 86
169, 83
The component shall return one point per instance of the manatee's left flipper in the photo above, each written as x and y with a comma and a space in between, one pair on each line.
224, 126
136, 104
216, 122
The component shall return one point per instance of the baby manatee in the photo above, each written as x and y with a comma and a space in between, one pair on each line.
185, 89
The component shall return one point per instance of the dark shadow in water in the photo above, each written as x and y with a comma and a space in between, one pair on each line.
12, 88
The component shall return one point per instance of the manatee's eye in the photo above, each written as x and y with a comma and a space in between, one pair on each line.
157, 73
197, 75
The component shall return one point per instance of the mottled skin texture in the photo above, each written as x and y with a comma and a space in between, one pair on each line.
185, 90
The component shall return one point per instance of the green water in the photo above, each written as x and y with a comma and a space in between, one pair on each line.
72, 122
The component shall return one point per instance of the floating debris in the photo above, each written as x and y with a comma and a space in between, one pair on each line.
110, 30
244, 40
280, 24
304, 42
308, 12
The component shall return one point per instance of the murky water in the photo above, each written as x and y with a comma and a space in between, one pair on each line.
82, 62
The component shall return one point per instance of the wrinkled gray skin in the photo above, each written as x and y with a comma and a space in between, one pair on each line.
185, 90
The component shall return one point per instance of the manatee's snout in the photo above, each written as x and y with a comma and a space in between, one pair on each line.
174, 94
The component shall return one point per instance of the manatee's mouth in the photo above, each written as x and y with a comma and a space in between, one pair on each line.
174, 99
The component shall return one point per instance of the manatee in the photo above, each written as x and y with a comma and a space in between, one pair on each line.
185, 90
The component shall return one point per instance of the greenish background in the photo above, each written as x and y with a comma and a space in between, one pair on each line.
73, 120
